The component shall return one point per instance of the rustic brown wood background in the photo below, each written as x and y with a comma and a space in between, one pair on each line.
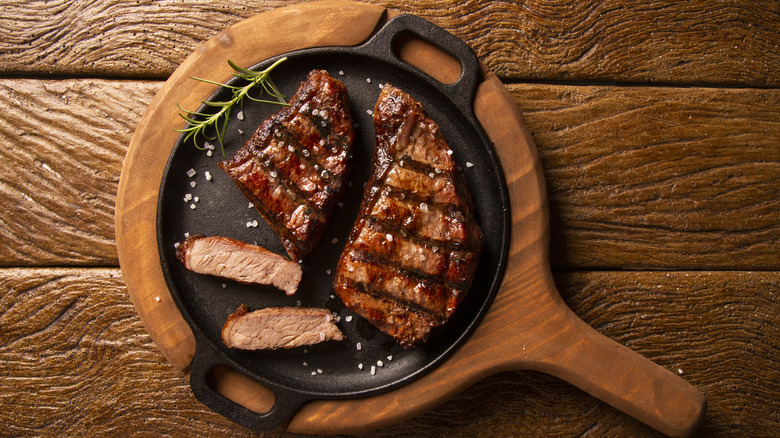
658, 126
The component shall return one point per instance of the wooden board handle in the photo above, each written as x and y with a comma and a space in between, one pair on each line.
621, 377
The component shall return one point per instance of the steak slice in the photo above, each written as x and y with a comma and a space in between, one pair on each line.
279, 327
413, 251
240, 261
294, 168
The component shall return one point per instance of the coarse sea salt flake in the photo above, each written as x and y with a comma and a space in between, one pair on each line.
359, 346
193, 184
208, 175
191, 173
240, 115
373, 370
157, 299
348, 318
192, 206
360, 366
209, 153
469, 164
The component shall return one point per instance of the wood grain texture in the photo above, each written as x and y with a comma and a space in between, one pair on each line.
78, 361
63, 143
636, 176
703, 41
689, 175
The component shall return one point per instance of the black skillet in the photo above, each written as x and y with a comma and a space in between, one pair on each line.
368, 362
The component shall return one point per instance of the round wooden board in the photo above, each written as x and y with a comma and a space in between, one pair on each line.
527, 327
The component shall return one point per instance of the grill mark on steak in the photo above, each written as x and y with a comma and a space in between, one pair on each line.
412, 253
294, 167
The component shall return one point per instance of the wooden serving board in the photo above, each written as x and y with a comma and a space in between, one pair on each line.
527, 327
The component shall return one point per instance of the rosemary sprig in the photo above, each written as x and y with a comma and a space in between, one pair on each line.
220, 119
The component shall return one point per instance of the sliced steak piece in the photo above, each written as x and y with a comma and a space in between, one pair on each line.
279, 327
294, 168
413, 251
240, 261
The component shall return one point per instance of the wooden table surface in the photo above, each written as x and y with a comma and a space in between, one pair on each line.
658, 127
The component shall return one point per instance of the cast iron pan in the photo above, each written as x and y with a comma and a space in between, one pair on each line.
329, 370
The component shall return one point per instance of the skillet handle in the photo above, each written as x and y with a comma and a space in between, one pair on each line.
205, 359
463, 90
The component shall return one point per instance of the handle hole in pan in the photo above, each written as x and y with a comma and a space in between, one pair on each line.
240, 389
430, 59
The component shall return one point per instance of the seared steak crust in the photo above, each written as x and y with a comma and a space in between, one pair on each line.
413, 252
279, 327
295, 166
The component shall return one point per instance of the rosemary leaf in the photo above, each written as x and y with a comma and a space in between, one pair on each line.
219, 120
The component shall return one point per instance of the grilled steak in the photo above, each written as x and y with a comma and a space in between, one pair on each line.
279, 327
229, 258
294, 167
412, 253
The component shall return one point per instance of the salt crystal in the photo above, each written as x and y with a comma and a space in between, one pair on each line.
157, 299
389, 357
679, 371
196, 199
359, 346
335, 240
188, 197
379, 363
389, 237
250, 205
305, 364
224, 285
254, 223
209, 153
315, 112
360, 366
240, 115
469, 164
298, 303
340, 204
193, 184
176, 245
192, 207
319, 371
186, 235
328, 271
208, 175
368, 80
313, 373
241, 131
191, 173
341, 72
348, 318
373, 370
369, 112
449, 152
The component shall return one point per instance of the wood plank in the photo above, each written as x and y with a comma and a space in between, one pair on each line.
653, 41
77, 360
63, 146
637, 176
650, 177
